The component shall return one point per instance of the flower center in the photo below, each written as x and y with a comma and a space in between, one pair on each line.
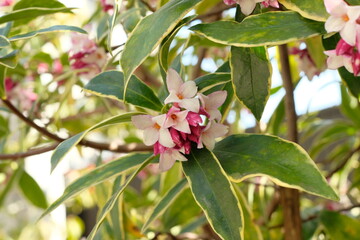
157, 126
180, 96
173, 117
345, 17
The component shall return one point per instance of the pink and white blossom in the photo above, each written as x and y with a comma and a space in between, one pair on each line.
212, 131
5, 3
181, 93
185, 124
248, 6
343, 18
168, 158
212, 102
177, 119
153, 130
335, 61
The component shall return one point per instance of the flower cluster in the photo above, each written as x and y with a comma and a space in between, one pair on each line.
4, 3
306, 62
192, 118
25, 96
248, 6
344, 19
107, 5
85, 54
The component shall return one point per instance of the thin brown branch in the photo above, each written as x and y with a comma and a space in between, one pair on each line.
343, 162
311, 217
197, 68
83, 142
31, 152
290, 198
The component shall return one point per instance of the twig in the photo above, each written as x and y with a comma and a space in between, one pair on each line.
290, 198
31, 152
197, 67
343, 162
83, 142
316, 216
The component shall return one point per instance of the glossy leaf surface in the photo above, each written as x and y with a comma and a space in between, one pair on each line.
247, 155
307, 8
271, 28
211, 189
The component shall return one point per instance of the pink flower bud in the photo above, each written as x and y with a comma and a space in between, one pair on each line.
158, 148
9, 84
176, 137
229, 2
343, 47
187, 147
193, 119
355, 61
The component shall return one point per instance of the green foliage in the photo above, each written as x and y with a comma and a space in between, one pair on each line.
251, 77
68, 144
32, 191
211, 188
111, 84
271, 28
98, 175
243, 156
340, 226
159, 24
314, 10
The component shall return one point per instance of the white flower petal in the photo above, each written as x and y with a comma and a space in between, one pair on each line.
190, 104
332, 4
188, 89
142, 121
165, 138
151, 136
334, 61
208, 141
178, 156
166, 161
172, 98
334, 24
173, 80
247, 6
348, 64
214, 114
160, 120
183, 126
216, 99
348, 33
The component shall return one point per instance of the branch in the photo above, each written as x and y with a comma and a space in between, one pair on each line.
343, 162
311, 217
83, 142
31, 152
290, 198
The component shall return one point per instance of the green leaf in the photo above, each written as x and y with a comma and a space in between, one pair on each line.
271, 28
352, 82
214, 194
311, 9
340, 226
38, 3
159, 24
111, 84
286, 163
4, 42
69, 143
32, 191
98, 175
165, 47
56, 28
209, 81
4, 127
251, 230
110, 203
167, 200
2, 82
29, 13
9, 59
251, 76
